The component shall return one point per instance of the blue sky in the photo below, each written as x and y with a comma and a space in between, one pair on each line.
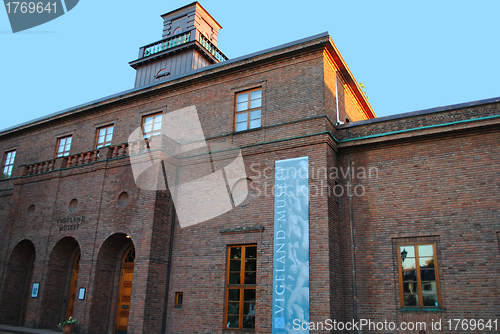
409, 55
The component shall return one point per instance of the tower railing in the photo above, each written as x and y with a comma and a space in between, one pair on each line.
180, 39
210, 47
165, 44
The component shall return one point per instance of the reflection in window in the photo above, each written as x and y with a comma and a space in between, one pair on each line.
8, 164
248, 109
419, 286
151, 125
240, 288
64, 146
104, 136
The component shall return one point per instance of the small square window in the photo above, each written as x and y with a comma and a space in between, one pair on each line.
8, 164
178, 299
64, 146
104, 136
248, 110
151, 125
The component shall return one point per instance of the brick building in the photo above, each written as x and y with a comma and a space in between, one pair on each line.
408, 233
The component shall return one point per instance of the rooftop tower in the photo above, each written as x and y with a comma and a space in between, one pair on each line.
189, 42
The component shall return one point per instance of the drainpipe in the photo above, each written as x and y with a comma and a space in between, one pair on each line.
337, 99
170, 248
353, 245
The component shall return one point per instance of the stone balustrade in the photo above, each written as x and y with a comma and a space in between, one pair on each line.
79, 159
40, 167
82, 158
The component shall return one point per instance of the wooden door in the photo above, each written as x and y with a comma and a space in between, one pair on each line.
28, 290
72, 289
127, 277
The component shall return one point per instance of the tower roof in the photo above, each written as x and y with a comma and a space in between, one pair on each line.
172, 15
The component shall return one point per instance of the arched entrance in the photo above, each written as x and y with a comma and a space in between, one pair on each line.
60, 286
126, 279
111, 299
16, 291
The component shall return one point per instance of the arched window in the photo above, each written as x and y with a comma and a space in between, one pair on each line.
162, 73
130, 257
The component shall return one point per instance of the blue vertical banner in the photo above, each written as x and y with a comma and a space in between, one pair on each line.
291, 247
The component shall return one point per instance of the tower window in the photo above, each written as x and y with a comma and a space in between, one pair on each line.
162, 73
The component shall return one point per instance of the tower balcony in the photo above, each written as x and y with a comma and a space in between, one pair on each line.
179, 42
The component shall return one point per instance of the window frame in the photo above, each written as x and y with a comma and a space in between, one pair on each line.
179, 298
152, 133
8, 165
418, 272
106, 143
249, 109
242, 287
65, 143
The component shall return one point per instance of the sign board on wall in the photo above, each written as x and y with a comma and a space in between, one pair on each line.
291, 246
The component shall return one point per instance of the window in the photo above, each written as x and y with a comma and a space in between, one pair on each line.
418, 275
162, 73
104, 136
151, 125
240, 288
63, 146
248, 109
178, 299
8, 164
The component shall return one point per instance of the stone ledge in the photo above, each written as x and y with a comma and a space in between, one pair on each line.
252, 229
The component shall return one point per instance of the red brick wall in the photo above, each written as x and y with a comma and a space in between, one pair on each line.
444, 187
335, 84
199, 254
427, 185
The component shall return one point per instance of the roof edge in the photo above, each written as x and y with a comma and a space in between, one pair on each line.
420, 112
346, 72
322, 38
